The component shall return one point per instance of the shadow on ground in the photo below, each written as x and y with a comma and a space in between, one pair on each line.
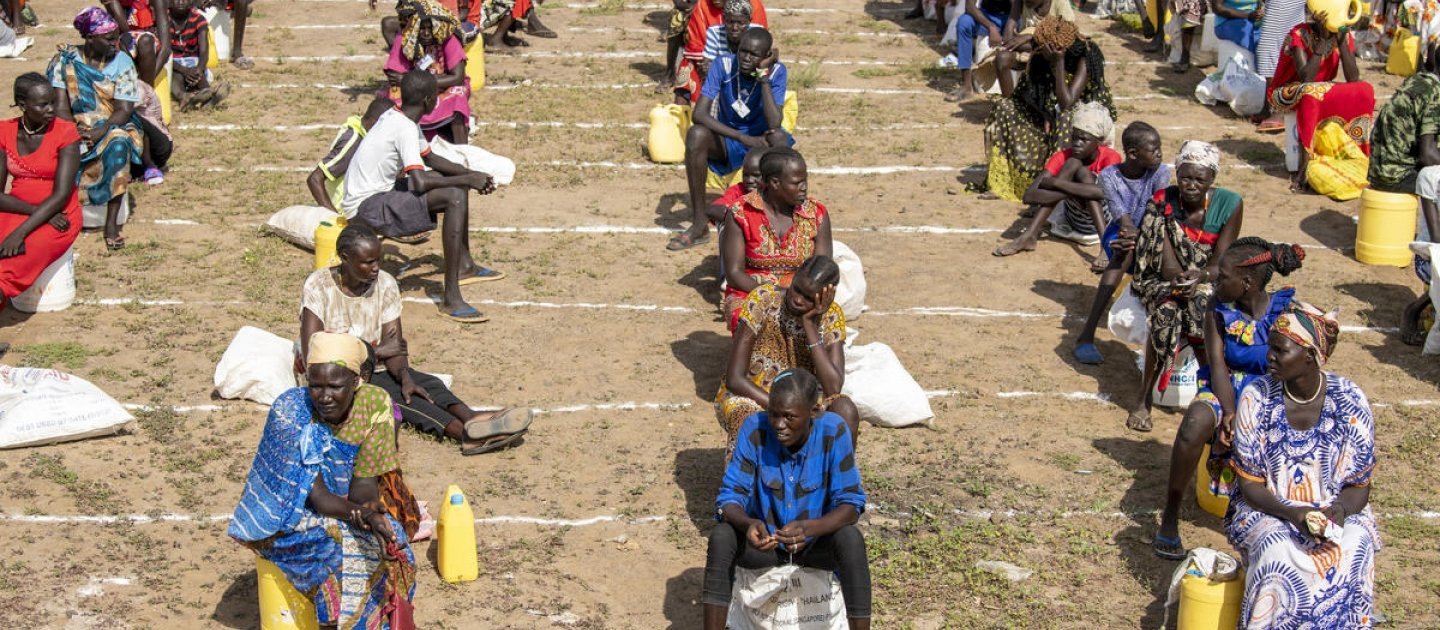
698, 472
1384, 306
237, 608
682, 596
1148, 461
704, 353
1335, 230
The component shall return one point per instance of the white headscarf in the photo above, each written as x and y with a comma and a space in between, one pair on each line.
1094, 119
1200, 153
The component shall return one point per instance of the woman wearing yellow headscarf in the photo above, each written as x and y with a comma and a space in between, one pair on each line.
429, 42
1304, 454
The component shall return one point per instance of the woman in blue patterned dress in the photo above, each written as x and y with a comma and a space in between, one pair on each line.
1237, 329
1304, 454
311, 503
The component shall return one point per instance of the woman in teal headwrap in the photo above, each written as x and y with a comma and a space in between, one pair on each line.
97, 89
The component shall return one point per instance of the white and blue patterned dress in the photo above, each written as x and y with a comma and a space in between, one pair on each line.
1291, 580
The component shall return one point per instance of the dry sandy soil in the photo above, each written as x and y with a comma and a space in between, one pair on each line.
1049, 481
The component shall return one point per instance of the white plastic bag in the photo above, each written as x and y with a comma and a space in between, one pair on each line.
93, 217
1242, 87
39, 406
850, 294
1206, 89
501, 168
787, 597
297, 224
882, 389
1127, 319
257, 366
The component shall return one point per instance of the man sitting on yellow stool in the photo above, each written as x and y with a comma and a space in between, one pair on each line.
740, 108
1404, 159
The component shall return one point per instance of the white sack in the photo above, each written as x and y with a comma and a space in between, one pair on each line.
850, 294
297, 224
93, 217
885, 393
779, 598
1432, 340
502, 169
257, 366
39, 406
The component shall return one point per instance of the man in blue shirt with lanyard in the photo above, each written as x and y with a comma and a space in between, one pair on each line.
739, 109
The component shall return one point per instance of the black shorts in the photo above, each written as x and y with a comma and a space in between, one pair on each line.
397, 212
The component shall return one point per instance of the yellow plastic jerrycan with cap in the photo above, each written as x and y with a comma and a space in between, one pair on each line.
1386, 227
1207, 500
1404, 57
281, 606
1338, 13
456, 557
475, 62
1210, 605
325, 236
162, 92
668, 124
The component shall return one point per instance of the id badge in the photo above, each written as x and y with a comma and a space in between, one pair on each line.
425, 62
740, 108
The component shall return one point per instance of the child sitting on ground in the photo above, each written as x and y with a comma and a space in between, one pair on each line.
190, 50
1128, 187
1069, 180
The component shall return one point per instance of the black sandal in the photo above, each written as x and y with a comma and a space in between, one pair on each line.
1168, 548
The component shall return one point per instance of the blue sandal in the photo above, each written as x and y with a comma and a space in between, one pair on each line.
468, 315
1088, 354
1168, 548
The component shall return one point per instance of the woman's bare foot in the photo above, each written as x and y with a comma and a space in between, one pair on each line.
1139, 420
1016, 246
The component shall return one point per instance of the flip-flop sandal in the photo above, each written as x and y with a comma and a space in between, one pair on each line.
115, 244
1088, 354
468, 315
243, 63
1271, 125
494, 445
514, 42
682, 241
504, 422
544, 33
1168, 548
413, 239
1142, 424
485, 274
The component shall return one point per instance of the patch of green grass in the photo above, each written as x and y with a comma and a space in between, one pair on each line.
69, 354
1065, 461
875, 72
605, 7
808, 75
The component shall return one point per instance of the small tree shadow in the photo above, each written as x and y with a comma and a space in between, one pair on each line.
1385, 304
651, 69
1264, 155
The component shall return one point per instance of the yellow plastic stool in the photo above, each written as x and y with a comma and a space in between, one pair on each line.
1387, 225
1207, 500
281, 606
1207, 605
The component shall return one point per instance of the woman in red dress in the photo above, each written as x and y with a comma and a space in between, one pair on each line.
40, 216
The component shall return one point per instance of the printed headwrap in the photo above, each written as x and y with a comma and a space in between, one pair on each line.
441, 19
346, 351
1310, 327
92, 21
738, 7
1199, 153
1094, 119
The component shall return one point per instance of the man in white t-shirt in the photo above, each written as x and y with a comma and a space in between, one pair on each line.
388, 188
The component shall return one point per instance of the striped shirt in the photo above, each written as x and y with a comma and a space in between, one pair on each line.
717, 42
185, 36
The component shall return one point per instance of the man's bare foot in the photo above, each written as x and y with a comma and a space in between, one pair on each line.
1100, 263
1016, 246
959, 95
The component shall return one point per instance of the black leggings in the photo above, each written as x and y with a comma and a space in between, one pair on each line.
427, 416
843, 551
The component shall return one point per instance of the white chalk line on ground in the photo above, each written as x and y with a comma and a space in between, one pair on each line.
150, 519
556, 124
649, 166
665, 7
561, 54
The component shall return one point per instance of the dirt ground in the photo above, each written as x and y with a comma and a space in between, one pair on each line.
1030, 462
